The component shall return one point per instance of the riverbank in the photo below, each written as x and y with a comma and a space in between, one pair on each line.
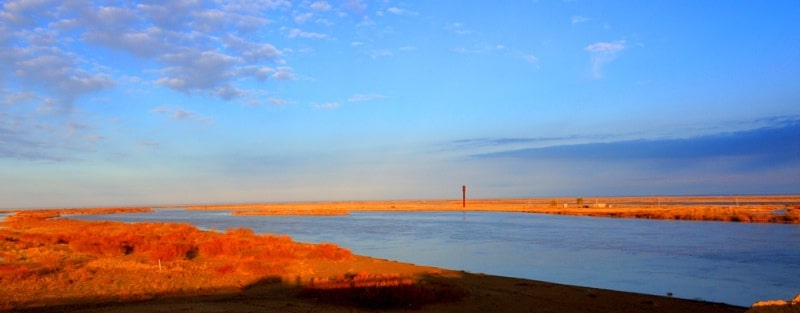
754, 209
67, 265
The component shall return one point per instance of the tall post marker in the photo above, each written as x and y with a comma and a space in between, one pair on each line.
464, 196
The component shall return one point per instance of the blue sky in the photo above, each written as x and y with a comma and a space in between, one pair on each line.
151, 102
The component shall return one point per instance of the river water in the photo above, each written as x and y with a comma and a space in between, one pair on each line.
735, 263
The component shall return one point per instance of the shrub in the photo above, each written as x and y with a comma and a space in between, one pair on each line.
329, 251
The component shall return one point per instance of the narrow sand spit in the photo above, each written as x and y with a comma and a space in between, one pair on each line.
755, 209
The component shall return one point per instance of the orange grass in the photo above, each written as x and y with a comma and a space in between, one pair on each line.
752, 209
46, 260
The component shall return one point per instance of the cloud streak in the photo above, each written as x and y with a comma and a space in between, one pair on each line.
181, 114
748, 150
579, 19
602, 53
365, 97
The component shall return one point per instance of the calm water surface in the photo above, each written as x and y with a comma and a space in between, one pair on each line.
734, 263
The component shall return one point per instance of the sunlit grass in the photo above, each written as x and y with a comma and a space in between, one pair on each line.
44, 259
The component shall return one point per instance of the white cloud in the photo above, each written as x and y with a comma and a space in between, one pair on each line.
284, 73
323, 21
606, 47
297, 33
356, 6
326, 106
181, 114
320, 6
252, 52
278, 101
365, 97
399, 11
376, 53
602, 53
477, 49
12, 98
36, 137
189, 42
530, 58
197, 71
58, 73
228, 92
366, 21
579, 19
261, 73
22, 12
457, 28
302, 18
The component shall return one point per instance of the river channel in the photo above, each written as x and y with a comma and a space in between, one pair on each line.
735, 263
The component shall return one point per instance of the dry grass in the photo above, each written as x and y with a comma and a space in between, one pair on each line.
41, 257
381, 291
751, 209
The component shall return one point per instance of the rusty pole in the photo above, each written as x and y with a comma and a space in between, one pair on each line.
464, 196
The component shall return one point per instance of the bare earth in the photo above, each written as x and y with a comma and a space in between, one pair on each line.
49, 264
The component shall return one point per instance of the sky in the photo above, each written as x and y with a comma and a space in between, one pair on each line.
107, 103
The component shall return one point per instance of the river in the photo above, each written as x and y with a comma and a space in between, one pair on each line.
735, 263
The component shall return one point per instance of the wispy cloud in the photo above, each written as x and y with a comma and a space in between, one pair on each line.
602, 53
399, 11
181, 114
34, 139
475, 49
297, 33
579, 19
759, 147
377, 53
12, 98
279, 102
365, 97
320, 6
458, 28
356, 6
284, 73
747, 161
302, 18
326, 106
510, 52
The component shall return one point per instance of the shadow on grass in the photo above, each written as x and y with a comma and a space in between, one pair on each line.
350, 291
384, 292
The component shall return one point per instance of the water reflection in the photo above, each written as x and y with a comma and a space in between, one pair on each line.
724, 262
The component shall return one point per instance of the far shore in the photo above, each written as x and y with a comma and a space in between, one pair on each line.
756, 209
781, 209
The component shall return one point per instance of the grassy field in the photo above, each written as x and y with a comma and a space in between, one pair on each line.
755, 209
